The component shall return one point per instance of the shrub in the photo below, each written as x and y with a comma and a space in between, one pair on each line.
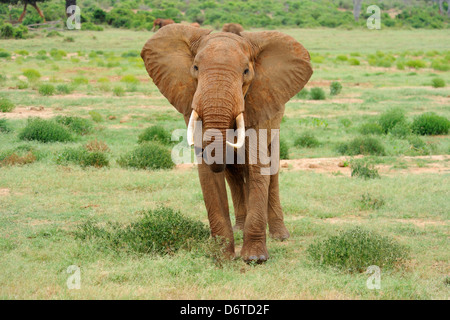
7, 31
368, 202
417, 146
12, 159
53, 33
96, 145
161, 231
118, 91
363, 169
149, 156
130, 79
4, 127
69, 39
430, 124
438, 83
31, 74
4, 54
365, 145
45, 131
356, 249
83, 157
47, 89
80, 81
354, 62
391, 118
78, 125
96, 117
401, 130
317, 94
6, 105
155, 133
307, 140
370, 128
441, 65
64, 89
303, 94
22, 85
417, 64
335, 88
284, 149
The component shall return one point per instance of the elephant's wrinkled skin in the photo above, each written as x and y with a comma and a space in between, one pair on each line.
220, 76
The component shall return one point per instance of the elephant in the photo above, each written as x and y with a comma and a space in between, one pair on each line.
161, 23
232, 27
224, 81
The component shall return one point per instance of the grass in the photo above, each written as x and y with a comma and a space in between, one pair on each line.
42, 203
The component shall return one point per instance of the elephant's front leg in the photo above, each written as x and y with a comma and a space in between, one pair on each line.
254, 247
235, 175
277, 228
216, 202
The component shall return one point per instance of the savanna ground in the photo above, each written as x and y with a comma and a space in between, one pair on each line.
42, 203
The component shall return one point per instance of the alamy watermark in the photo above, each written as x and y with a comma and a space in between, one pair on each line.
74, 19
374, 281
74, 280
374, 21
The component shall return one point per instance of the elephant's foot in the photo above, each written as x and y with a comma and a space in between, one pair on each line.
254, 252
279, 232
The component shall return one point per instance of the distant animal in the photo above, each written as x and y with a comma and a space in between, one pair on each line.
161, 23
195, 24
233, 28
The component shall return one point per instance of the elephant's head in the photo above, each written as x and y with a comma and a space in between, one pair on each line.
226, 80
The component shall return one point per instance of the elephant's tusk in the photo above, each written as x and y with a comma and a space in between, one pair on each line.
240, 131
190, 130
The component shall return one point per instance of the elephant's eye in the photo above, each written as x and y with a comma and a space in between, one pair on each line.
195, 68
246, 71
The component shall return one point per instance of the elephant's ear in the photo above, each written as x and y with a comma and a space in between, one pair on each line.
282, 68
168, 57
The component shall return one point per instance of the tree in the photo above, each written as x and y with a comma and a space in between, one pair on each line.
441, 7
357, 8
25, 3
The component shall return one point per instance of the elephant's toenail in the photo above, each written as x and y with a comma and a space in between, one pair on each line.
262, 258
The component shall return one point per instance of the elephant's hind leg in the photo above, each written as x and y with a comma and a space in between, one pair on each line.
216, 202
235, 175
277, 228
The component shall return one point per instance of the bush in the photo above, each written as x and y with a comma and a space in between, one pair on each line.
83, 157
22, 85
31, 74
317, 94
47, 89
365, 145
96, 117
64, 89
368, 202
4, 127
391, 118
96, 145
12, 158
307, 140
7, 31
303, 94
148, 156
417, 64
417, 146
284, 149
354, 62
401, 130
430, 124
335, 88
45, 131
438, 83
78, 125
6, 105
5, 54
118, 91
356, 249
161, 231
363, 169
155, 133
370, 128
